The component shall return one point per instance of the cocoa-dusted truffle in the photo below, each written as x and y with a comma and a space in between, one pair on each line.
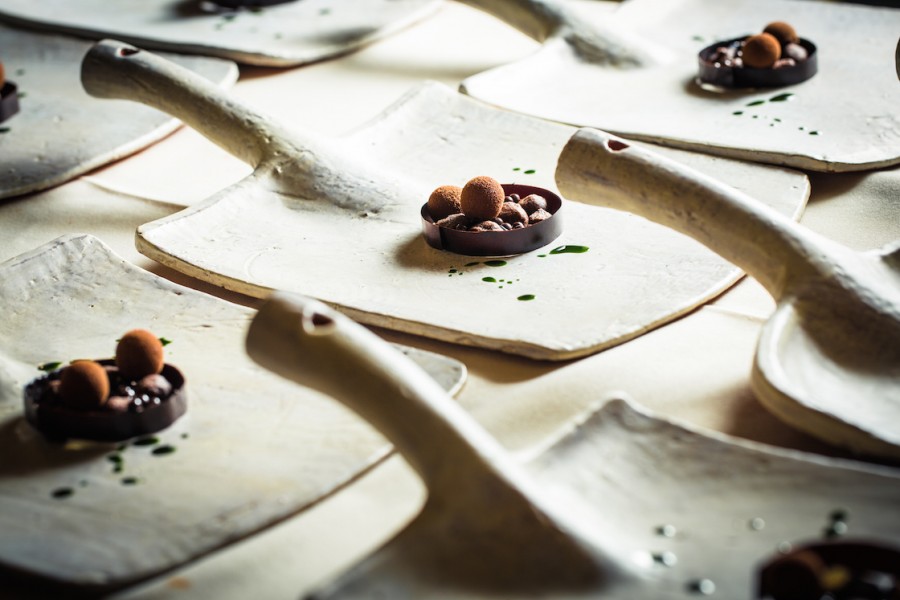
444, 201
84, 384
482, 198
761, 51
783, 32
139, 353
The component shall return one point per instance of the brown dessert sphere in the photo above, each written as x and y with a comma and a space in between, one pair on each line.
781, 31
482, 198
84, 384
139, 353
761, 51
444, 201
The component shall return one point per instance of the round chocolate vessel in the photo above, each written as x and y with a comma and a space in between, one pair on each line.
497, 243
57, 421
741, 77
9, 100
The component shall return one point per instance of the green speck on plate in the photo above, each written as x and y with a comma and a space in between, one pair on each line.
163, 450
525, 297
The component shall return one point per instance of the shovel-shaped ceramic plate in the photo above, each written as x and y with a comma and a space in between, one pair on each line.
623, 505
601, 70
250, 451
60, 132
292, 33
828, 360
339, 220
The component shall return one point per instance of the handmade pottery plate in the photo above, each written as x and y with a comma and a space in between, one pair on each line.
633, 73
252, 449
289, 34
60, 132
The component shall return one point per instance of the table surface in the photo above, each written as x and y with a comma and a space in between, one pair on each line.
695, 369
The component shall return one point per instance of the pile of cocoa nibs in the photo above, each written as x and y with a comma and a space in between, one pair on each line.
777, 47
482, 205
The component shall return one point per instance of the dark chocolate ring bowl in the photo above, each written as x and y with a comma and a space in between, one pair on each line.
59, 422
745, 77
498, 243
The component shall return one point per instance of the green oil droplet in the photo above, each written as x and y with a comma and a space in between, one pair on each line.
738, 112
163, 450
63, 492
781, 97
542, 256
525, 297
529, 172
517, 168
756, 103
489, 279
813, 133
146, 441
129, 480
777, 120
495, 263
570, 249
115, 458
472, 264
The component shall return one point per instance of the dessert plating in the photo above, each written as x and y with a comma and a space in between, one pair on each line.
775, 57
493, 219
109, 400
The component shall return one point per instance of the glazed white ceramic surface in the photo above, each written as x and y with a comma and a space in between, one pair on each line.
584, 516
250, 451
289, 34
633, 73
828, 360
338, 219
61, 132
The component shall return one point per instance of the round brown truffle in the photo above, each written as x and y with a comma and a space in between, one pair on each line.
482, 198
84, 384
761, 51
444, 201
139, 353
781, 31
